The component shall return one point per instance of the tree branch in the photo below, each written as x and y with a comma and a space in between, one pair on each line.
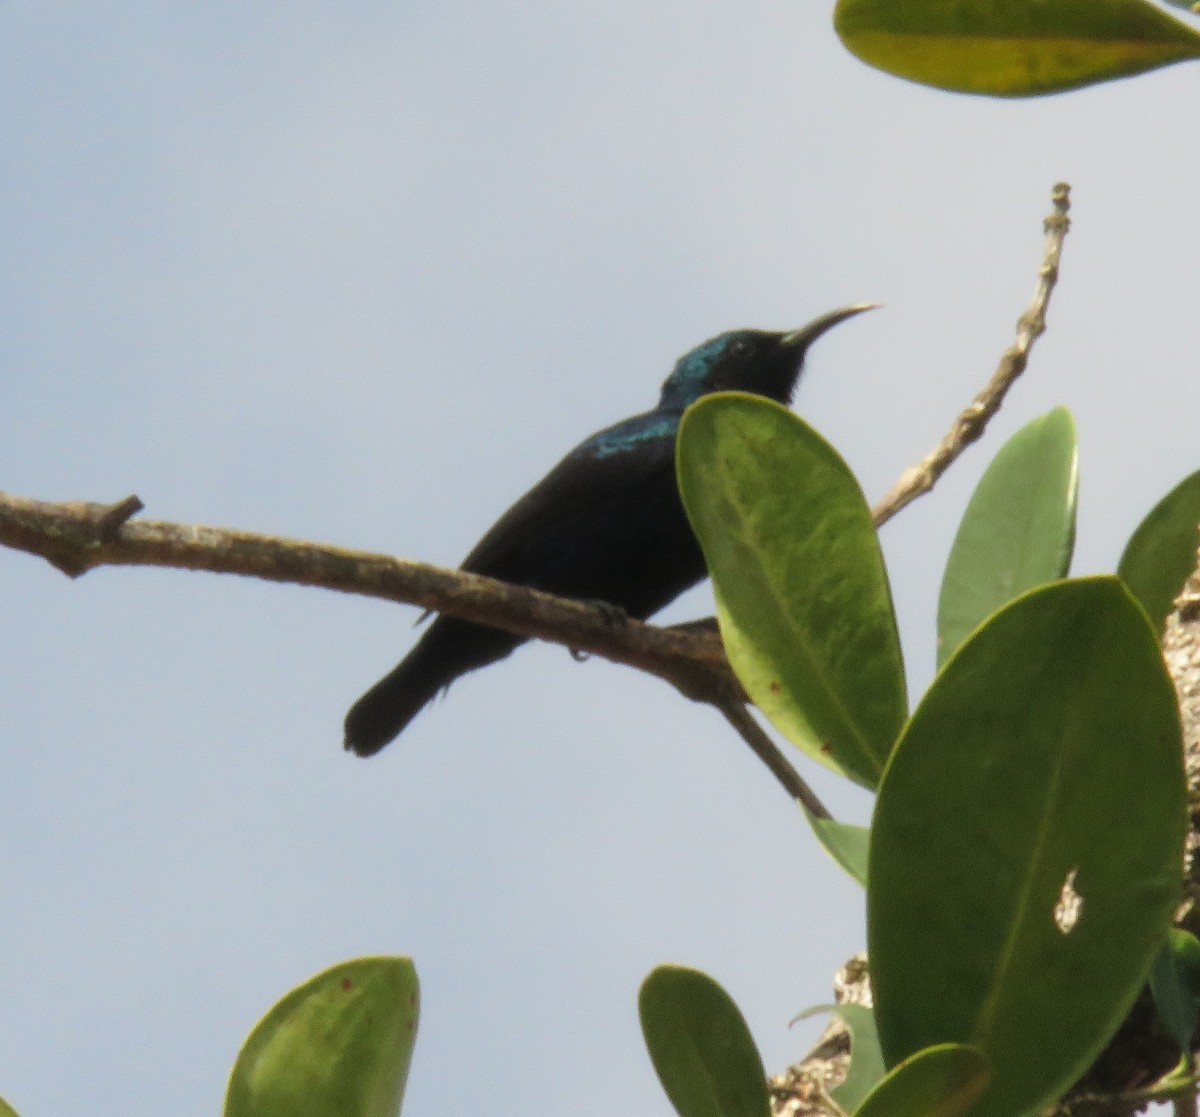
973, 420
78, 536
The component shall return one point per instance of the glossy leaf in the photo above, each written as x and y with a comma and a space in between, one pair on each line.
1175, 983
1019, 891
845, 843
1011, 48
337, 1046
1018, 530
703, 1052
866, 1060
802, 595
6, 1110
1161, 553
941, 1081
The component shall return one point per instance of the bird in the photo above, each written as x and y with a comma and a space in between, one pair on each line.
605, 525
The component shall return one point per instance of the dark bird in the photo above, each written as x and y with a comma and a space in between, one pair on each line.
605, 524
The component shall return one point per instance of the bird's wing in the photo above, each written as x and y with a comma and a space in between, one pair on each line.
593, 482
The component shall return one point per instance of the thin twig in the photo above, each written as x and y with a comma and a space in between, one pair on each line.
738, 715
971, 423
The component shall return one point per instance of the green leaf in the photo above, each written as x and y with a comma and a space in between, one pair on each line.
337, 1046
802, 595
1025, 852
1012, 48
941, 1081
6, 1110
1018, 530
700, 1046
1161, 553
866, 1060
1175, 983
845, 843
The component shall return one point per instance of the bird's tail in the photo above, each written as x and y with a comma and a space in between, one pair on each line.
449, 648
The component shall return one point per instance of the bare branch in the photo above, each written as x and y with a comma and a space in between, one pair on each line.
79, 536
973, 421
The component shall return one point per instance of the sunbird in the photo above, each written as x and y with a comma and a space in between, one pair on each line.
604, 525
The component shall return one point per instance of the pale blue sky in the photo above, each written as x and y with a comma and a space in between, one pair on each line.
361, 273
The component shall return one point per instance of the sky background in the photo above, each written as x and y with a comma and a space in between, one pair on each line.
361, 273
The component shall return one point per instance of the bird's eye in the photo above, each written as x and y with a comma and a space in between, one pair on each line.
741, 348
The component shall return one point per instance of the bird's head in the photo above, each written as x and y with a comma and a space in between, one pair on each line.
768, 364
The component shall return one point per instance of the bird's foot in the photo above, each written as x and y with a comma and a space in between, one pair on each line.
614, 615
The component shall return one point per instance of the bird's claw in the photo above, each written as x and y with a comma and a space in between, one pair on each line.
614, 615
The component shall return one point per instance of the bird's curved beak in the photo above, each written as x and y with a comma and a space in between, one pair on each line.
802, 338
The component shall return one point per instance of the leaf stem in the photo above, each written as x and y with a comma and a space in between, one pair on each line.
738, 715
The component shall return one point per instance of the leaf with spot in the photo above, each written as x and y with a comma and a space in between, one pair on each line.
337, 1046
1019, 891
